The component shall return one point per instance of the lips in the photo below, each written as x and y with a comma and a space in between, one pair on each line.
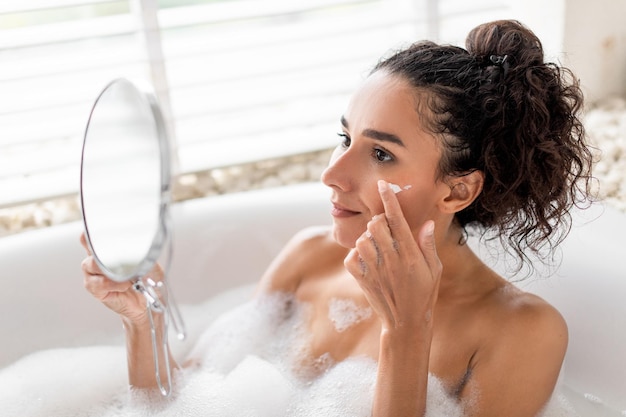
340, 211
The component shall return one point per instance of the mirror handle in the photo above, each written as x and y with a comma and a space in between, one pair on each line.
165, 305
167, 308
170, 304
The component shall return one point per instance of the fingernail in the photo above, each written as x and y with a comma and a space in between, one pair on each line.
382, 185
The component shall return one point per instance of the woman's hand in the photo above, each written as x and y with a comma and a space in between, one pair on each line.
131, 305
117, 296
399, 275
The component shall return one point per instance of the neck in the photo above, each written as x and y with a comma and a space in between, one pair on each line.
463, 272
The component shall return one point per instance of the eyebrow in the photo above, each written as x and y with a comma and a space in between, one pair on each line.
377, 134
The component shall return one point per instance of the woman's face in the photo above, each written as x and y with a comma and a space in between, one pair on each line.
382, 138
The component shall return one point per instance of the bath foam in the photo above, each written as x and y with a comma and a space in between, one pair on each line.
267, 327
71, 382
243, 372
344, 313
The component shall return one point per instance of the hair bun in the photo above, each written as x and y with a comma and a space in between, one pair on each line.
505, 38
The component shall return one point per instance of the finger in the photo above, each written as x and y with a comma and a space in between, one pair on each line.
369, 282
83, 242
426, 239
96, 279
354, 264
156, 273
360, 259
91, 267
380, 260
368, 251
379, 232
100, 286
393, 212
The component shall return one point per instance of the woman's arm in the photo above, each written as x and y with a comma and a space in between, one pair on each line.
402, 378
514, 370
400, 278
121, 298
298, 257
141, 371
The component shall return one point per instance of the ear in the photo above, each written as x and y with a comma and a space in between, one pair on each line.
463, 191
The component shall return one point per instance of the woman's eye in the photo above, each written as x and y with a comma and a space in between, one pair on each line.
381, 155
345, 140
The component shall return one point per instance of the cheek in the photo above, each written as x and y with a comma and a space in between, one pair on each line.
417, 207
413, 213
372, 199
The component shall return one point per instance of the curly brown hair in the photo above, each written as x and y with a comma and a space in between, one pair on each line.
499, 108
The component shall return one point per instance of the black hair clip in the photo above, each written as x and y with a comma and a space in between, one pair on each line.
502, 62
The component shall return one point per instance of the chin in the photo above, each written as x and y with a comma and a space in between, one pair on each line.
344, 237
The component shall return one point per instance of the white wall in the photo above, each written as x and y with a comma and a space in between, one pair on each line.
589, 36
595, 33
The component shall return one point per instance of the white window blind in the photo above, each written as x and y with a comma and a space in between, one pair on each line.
275, 80
239, 80
55, 56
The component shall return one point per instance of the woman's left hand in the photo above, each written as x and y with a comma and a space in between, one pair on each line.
398, 273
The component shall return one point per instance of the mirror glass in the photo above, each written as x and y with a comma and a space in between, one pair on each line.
125, 180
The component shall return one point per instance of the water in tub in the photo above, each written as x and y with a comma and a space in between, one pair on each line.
251, 361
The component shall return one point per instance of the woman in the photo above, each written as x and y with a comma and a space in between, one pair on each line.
438, 140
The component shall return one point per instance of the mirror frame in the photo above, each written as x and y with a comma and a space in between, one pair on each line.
144, 90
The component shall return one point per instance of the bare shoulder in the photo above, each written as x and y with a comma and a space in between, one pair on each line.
527, 315
521, 355
521, 324
305, 252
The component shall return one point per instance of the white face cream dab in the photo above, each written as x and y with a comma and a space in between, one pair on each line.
396, 188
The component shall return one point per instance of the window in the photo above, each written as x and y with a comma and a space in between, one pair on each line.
273, 80
238, 80
56, 56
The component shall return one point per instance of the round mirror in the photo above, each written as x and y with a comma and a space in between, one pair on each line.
124, 191
125, 180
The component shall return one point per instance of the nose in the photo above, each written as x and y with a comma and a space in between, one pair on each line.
338, 174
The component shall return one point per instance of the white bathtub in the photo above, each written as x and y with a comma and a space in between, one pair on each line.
227, 241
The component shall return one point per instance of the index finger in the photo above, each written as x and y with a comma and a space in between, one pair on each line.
395, 217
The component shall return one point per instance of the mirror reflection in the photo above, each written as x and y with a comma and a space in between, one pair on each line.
123, 179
